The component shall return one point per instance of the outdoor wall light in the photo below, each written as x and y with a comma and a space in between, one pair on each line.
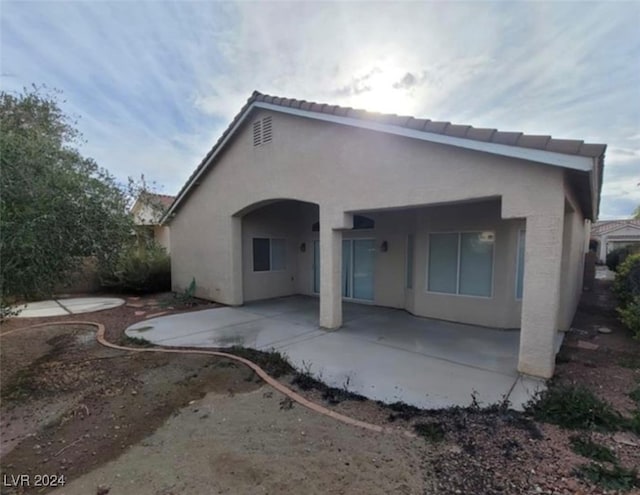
303, 247
384, 247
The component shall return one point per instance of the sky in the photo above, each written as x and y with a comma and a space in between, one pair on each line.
154, 84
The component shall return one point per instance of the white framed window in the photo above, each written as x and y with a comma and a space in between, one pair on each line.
461, 263
269, 255
520, 264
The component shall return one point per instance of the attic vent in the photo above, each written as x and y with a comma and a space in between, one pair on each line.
262, 131
266, 129
257, 133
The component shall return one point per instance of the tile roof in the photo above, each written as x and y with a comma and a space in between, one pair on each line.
517, 139
165, 200
601, 228
547, 143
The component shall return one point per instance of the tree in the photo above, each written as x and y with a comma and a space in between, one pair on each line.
636, 212
56, 206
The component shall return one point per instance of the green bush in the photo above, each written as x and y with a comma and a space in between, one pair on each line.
630, 316
616, 257
614, 478
627, 288
139, 270
586, 447
575, 407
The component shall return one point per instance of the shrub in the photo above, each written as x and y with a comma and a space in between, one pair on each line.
615, 478
139, 270
575, 407
627, 288
630, 316
433, 432
616, 257
588, 448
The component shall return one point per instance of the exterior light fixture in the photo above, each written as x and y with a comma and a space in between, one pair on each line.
384, 247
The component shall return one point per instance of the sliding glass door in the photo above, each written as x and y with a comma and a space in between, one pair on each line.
358, 262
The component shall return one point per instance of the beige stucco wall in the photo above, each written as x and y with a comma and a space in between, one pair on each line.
343, 169
292, 221
346, 170
162, 236
574, 246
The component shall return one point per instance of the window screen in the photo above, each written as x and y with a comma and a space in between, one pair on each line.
461, 263
443, 262
476, 264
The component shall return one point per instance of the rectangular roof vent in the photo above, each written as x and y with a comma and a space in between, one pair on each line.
262, 131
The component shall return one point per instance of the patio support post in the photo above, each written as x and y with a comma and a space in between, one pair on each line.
330, 269
541, 295
235, 250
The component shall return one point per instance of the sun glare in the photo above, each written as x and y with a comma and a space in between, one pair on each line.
381, 91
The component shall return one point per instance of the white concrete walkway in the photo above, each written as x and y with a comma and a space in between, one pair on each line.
71, 306
384, 354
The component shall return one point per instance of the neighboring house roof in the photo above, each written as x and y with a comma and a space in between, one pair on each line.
156, 205
606, 226
567, 153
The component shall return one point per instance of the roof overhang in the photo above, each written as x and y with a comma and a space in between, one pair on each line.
579, 163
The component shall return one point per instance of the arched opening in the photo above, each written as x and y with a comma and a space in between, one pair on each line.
277, 249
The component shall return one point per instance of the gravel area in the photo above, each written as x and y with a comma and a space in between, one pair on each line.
143, 412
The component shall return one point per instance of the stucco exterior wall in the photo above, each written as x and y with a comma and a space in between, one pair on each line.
343, 169
347, 170
574, 246
293, 221
282, 220
162, 236
501, 309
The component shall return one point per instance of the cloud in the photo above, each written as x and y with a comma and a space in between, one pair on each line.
409, 81
358, 85
156, 83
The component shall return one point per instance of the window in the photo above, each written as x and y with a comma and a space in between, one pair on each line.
362, 222
520, 264
359, 223
409, 267
262, 131
461, 263
269, 255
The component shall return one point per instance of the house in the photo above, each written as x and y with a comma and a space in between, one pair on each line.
614, 234
147, 213
444, 221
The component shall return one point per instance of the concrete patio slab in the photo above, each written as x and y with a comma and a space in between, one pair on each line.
70, 306
384, 354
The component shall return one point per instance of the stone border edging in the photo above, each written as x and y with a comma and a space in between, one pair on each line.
283, 389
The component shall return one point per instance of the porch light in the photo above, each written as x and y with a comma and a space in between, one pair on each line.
384, 247
303, 247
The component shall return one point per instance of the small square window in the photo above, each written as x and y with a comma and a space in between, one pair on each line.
269, 254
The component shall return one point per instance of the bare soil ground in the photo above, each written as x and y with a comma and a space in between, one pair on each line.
169, 424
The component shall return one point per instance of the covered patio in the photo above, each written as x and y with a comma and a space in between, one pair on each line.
384, 354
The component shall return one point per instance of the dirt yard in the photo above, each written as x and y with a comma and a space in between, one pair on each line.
123, 423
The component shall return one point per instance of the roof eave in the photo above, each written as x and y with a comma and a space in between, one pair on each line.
567, 161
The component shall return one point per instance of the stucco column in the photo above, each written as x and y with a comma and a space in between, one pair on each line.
235, 265
330, 270
603, 248
541, 296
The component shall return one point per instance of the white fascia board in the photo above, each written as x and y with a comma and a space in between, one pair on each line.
574, 162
